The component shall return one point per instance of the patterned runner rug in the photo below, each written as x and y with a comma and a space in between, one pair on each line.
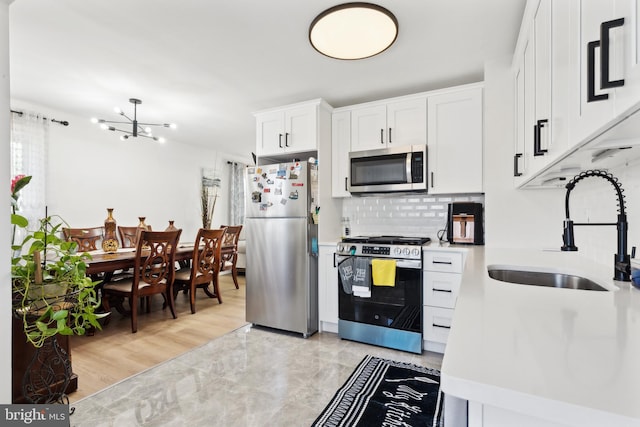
382, 392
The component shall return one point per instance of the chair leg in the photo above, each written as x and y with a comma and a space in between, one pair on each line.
234, 274
216, 290
192, 298
134, 316
168, 294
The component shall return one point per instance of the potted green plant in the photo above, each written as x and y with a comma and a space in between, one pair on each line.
52, 293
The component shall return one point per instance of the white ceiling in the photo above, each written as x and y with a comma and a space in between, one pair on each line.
207, 65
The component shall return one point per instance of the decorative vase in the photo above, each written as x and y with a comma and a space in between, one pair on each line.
142, 227
110, 240
171, 227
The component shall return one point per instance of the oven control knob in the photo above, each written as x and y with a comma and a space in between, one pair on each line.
415, 252
406, 251
397, 251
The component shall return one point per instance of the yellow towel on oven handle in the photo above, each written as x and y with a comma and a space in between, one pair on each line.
383, 272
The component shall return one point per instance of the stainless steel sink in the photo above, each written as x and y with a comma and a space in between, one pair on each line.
542, 278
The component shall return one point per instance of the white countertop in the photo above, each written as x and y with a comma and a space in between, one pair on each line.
565, 355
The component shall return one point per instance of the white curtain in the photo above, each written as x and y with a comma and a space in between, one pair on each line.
236, 193
29, 141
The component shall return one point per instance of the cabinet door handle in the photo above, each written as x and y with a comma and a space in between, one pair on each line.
431, 179
345, 184
591, 64
389, 135
286, 139
381, 136
537, 149
435, 325
280, 140
334, 260
442, 290
605, 29
516, 172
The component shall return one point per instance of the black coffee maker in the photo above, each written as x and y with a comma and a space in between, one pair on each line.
465, 224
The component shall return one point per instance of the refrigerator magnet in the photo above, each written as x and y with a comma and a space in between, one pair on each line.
251, 171
282, 173
297, 184
283, 201
256, 197
293, 195
267, 190
278, 191
259, 171
293, 175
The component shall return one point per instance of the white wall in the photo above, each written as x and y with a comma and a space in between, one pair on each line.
5, 230
91, 170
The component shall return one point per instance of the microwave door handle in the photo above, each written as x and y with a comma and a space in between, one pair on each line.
408, 168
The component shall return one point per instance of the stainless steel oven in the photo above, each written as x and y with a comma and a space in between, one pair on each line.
388, 316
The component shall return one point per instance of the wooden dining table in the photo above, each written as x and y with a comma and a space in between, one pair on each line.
125, 258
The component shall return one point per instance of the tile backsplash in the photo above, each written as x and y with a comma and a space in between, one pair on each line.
404, 215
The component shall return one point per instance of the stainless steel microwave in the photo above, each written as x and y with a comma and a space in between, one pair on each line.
388, 170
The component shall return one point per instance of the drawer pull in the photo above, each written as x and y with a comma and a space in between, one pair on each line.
435, 325
442, 290
442, 262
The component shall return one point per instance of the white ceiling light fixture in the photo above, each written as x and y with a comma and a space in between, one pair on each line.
137, 128
353, 31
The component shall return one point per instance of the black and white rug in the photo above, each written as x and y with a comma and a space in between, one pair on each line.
382, 392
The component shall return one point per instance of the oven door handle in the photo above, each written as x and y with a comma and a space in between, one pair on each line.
414, 264
409, 263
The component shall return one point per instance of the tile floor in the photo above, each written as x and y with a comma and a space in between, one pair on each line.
250, 377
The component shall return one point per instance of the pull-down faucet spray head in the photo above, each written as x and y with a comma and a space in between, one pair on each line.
622, 260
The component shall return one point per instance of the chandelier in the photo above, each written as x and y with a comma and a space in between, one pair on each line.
137, 128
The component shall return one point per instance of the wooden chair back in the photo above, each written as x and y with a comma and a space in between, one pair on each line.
155, 262
231, 236
229, 251
129, 235
206, 255
87, 238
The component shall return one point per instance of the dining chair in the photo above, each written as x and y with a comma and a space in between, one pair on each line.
204, 269
129, 235
153, 273
229, 251
86, 238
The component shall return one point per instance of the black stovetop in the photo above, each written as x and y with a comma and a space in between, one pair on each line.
388, 240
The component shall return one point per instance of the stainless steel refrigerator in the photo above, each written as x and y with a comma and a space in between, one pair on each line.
281, 236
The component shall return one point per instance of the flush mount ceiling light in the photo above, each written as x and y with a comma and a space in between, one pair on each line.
353, 31
137, 129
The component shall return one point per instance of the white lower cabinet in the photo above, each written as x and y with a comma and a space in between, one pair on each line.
442, 275
327, 288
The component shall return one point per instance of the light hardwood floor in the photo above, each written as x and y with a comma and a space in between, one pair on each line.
114, 353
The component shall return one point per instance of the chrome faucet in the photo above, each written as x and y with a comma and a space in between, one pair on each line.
622, 260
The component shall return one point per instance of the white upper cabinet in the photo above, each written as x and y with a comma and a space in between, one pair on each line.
540, 110
628, 95
397, 123
340, 145
606, 64
289, 129
576, 75
455, 142
593, 102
